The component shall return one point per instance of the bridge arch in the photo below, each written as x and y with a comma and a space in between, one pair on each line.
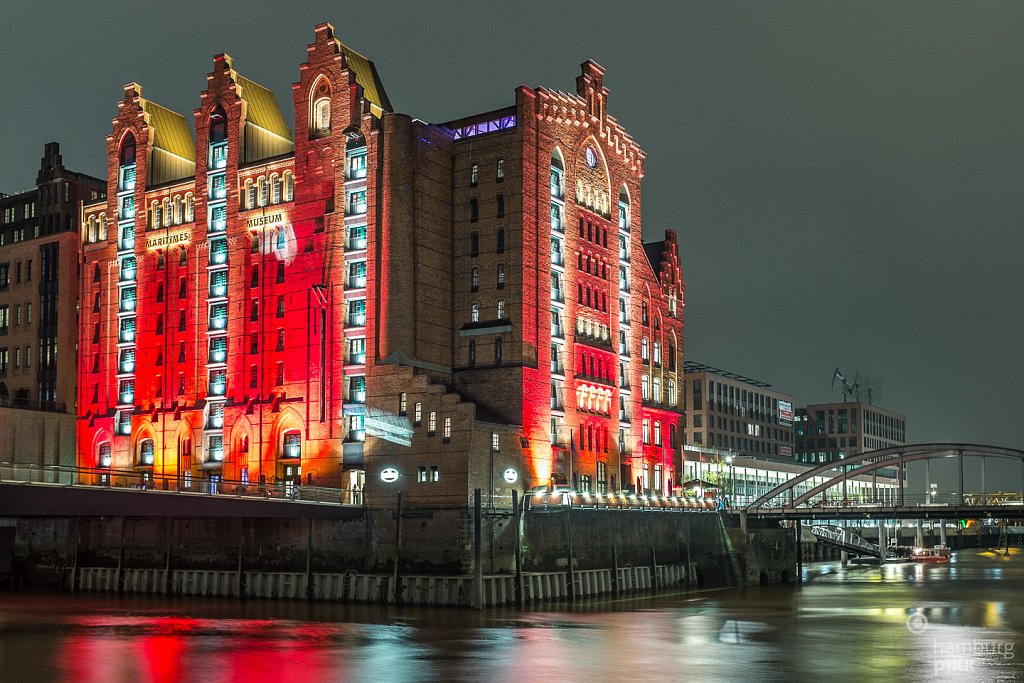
870, 462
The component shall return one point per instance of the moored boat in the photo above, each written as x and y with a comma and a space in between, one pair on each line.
938, 554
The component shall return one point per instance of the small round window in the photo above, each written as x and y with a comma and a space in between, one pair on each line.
591, 157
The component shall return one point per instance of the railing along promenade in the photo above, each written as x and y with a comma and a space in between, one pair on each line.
104, 478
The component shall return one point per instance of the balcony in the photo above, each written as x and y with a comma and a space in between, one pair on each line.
356, 282
126, 179
216, 455
355, 358
127, 241
104, 461
127, 210
356, 435
557, 296
356, 167
291, 451
127, 271
218, 286
126, 366
218, 224
218, 155
355, 243
126, 305
217, 387
126, 397
217, 355
218, 253
215, 421
355, 320
218, 187
126, 335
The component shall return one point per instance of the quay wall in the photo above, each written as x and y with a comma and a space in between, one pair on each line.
565, 555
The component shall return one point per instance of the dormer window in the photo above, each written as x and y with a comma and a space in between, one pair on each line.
127, 157
218, 126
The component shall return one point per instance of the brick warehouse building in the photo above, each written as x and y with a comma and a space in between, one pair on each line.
451, 303
39, 258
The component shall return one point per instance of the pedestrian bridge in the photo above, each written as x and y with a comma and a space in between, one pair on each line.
802, 498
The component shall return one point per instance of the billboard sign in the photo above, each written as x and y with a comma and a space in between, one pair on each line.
785, 413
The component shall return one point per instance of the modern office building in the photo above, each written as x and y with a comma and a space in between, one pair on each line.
833, 431
446, 306
736, 414
39, 254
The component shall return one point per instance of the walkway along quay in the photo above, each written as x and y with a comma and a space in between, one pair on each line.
89, 538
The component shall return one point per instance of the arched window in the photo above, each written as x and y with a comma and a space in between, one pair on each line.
167, 213
474, 315
179, 210
292, 444
218, 126
474, 243
474, 280
289, 186
263, 190
322, 115
103, 457
275, 189
190, 208
501, 204
146, 452
474, 209
250, 194
127, 154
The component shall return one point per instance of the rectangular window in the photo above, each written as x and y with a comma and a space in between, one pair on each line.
421, 477
447, 436
495, 442
432, 423
418, 415
435, 473
501, 170
401, 403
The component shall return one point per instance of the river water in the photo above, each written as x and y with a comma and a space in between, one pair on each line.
960, 622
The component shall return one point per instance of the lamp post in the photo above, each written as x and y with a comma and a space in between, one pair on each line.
732, 489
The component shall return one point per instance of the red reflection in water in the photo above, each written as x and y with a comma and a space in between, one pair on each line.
169, 649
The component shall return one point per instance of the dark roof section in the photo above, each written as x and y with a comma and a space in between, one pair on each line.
690, 366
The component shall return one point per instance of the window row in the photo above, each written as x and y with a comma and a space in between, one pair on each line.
6, 355
265, 191
6, 317
594, 232
471, 351
474, 278
591, 297
474, 311
474, 207
592, 265
474, 242
499, 173
170, 211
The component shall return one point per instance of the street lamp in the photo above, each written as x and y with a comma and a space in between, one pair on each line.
732, 486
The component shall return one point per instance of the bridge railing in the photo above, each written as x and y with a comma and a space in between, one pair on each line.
922, 500
100, 478
559, 499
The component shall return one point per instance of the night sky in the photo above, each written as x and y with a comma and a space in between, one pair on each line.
845, 178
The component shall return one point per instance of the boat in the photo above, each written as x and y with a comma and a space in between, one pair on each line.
938, 554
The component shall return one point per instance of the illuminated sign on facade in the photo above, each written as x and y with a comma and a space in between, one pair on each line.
168, 240
785, 413
264, 221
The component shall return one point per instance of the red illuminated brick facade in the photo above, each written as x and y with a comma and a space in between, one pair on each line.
453, 301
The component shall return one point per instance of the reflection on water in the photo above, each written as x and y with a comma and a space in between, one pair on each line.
899, 622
